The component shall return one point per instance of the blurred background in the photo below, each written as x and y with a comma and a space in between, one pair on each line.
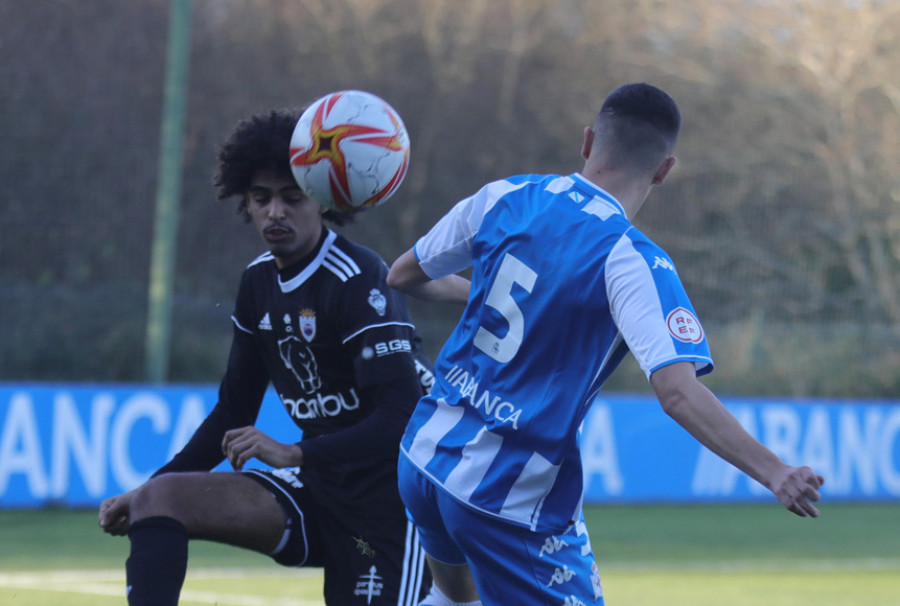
782, 215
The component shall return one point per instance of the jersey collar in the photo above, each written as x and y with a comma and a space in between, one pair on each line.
297, 273
598, 191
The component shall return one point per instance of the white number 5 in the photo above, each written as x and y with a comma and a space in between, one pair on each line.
512, 271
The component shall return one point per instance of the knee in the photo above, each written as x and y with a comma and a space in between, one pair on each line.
452, 585
436, 597
157, 497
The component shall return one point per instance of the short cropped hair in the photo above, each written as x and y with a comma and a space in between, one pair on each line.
638, 124
261, 142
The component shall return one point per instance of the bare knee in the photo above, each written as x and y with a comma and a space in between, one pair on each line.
159, 496
455, 582
225, 507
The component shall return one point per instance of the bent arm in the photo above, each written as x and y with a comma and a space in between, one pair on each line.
407, 276
240, 397
693, 406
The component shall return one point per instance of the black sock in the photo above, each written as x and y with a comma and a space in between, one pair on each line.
155, 569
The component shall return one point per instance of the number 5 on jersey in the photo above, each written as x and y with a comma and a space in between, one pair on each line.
512, 271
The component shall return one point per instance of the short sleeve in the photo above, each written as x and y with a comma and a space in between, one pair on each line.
447, 248
651, 309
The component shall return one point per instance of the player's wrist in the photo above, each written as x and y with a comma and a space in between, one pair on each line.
296, 455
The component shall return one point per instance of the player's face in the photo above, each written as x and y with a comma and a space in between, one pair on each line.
288, 220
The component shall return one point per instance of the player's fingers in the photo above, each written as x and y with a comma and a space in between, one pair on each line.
108, 512
811, 478
231, 452
116, 526
241, 451
108, 504
246, 454
119, 527
229, 437
242, 443
808, 508
793, 505
811, 493
233, 455
232, 442
233, 435
801, 502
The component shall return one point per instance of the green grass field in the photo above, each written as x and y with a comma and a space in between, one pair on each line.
735, 555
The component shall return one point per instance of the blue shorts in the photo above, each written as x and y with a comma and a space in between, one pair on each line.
510, 564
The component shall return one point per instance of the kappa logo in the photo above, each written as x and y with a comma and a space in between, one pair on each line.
369, 585
552, 545
573, 601
663, 263
561, 575
378, 301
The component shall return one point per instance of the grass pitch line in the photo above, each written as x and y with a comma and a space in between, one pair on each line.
112, 583
773, 565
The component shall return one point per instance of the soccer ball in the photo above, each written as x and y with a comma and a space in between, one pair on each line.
349, 151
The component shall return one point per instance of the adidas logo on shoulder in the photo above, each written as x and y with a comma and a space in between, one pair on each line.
341, 264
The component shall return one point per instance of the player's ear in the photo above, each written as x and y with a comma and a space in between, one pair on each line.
663, 170
588, 142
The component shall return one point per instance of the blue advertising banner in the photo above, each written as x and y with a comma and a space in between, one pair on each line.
633, 452
75, 445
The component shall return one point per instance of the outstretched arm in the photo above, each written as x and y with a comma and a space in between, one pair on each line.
407, 276
701, 413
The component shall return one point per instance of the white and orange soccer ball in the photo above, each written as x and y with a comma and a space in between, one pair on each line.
349, 150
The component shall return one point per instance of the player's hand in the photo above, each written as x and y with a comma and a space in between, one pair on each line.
798, 488
245, 443
115, 513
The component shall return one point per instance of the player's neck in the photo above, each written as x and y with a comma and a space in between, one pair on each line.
627, 190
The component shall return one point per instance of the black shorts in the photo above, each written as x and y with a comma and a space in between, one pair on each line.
377, 564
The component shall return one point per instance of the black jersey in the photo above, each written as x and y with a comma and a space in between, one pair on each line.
340, 350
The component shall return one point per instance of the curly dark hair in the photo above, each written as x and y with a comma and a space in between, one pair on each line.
261, 142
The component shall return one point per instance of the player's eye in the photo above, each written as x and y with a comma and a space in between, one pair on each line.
293, 196
259, 196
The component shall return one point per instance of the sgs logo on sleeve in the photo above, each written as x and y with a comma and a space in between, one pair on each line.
393, 346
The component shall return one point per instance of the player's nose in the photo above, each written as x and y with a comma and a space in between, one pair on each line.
276, 208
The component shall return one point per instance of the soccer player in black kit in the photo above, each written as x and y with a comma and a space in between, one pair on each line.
313, 317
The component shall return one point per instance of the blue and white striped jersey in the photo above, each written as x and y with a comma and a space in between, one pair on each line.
563, 285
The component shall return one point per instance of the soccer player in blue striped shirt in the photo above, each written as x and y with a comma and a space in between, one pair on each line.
563, 285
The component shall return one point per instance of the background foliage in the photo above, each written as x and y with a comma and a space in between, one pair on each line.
783, 213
